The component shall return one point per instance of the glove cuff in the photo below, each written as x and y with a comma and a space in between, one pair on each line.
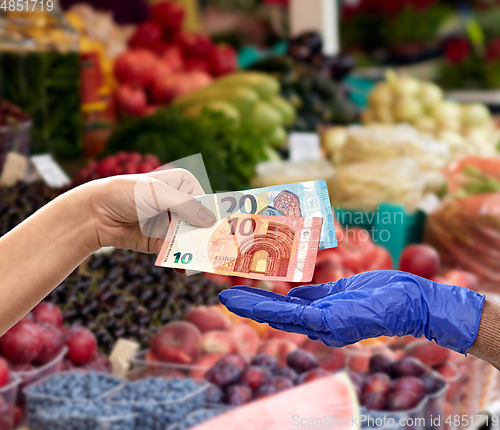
478, 322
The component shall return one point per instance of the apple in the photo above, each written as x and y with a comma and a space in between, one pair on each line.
173, 58
46, 312
207, 319
218, 341
136, 67
167, 88
22, 343
195, 45
81, 344
146, 34
421, 260
223, 60
167, 14
131, 100
196, 64
177, 342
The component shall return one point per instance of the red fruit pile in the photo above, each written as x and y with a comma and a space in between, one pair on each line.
238, 381
122, 163
395, 385
164, 62
202, 339
40, 337
355, 253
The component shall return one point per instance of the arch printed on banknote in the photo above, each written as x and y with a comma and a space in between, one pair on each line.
266, 247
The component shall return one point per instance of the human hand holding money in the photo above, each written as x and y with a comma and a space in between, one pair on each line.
270, 233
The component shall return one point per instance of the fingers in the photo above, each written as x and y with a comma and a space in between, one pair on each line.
179, 179
242, 306
243, 291
153, 198
310, 292
291, 313
293, 328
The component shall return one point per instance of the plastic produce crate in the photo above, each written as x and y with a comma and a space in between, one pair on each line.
159, 415
413, 419
66, 419
14, 138
8, 395
142, 368
33, 376
389, 226
359, 88
196, 417
38, 402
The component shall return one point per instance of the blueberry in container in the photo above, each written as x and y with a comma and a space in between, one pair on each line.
195, 418
68, 388
85, 416
30, 377
160, 402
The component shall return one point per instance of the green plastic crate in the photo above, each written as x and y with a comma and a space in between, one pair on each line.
389, 226
359, 88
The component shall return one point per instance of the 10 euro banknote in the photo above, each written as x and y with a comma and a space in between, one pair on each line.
267, 247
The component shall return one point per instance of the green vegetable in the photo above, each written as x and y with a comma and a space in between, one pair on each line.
225, 109
277, 137
46, 85
241, 97
264, 118
314, 98
285, 108
266, 86
230, 155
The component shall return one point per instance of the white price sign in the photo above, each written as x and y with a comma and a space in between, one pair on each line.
53, 175
304, 146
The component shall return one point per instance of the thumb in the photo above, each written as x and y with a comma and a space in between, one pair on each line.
154, 199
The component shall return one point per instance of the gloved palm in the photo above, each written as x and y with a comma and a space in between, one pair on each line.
371, 304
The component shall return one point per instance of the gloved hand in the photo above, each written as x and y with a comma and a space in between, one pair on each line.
371, 304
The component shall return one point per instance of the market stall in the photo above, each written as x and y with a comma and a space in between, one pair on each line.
292, 124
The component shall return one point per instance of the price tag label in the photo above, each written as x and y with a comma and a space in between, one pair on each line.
52, 174
122, 355
304, 146
13, 169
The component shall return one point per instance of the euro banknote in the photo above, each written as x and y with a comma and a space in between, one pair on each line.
301, 199
266, 247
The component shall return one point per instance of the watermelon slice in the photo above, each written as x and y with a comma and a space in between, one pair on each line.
326, 403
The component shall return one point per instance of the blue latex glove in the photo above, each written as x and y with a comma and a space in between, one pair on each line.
371, 304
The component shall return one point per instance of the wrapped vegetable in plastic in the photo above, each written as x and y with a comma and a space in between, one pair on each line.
380, 142
466, 228
365, 185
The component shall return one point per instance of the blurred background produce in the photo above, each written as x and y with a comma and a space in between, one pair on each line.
393, 103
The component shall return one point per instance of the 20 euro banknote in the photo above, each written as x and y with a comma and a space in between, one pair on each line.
248, 245
301, 199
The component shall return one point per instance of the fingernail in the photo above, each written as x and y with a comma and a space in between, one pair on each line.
206, 216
